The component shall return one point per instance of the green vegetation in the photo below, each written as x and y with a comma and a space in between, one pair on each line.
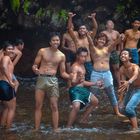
44, 12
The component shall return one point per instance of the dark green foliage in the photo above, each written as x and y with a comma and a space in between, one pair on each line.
43, 13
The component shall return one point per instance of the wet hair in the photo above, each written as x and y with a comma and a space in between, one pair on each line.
80, 50
53, 34
6, 44
102, 35
18, 42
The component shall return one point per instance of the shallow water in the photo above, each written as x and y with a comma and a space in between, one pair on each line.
103, 124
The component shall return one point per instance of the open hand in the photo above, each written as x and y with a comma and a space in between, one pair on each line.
92, 15
70, 14
100, 84
124, 87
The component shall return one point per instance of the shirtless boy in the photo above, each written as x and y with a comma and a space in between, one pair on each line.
80, 95
132, 37
69, 50
7, 87
19, 46
45, 66
81, 40
114, 57
101, 69
130, 86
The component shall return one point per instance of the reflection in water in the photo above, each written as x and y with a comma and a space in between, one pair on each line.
103, 125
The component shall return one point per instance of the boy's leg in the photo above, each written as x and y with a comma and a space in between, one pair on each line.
11, 112
130, 108
93, 104
55, 113
39, 97
112, 97
73, 114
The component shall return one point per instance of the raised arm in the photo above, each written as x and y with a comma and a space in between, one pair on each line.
71, 28
91, 46
37, 61
95, 25
64, 42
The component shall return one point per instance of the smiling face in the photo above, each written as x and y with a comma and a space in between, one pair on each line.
55, 42
82, 30
101, 41
9, 50
125, 56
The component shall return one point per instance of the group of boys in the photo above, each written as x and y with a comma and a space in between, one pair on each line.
87, 70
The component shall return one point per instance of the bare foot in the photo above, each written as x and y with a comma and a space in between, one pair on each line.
126, 121
134, 130
57, 130
120, 115
35, 130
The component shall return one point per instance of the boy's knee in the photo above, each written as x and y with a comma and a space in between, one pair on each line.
38, 106
54, 107
95, 101
76, 107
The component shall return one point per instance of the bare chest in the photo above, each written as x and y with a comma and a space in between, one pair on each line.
101, 53
83, 43
134, 35
129, 72
53, 58
112, 37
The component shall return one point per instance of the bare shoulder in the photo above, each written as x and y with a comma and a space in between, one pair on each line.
128, 31
75, 67
104, 32
6, 58
116, 32
42, 50
134, 66
60, 54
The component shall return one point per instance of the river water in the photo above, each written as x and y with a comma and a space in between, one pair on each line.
103, 124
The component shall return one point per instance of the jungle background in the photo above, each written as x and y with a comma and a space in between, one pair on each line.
33, 20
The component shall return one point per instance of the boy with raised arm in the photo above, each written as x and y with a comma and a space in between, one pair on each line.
81, 40
114, 57
100, 55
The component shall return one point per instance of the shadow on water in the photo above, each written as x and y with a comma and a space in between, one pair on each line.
103, 124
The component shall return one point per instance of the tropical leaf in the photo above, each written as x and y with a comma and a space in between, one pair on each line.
15, 5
